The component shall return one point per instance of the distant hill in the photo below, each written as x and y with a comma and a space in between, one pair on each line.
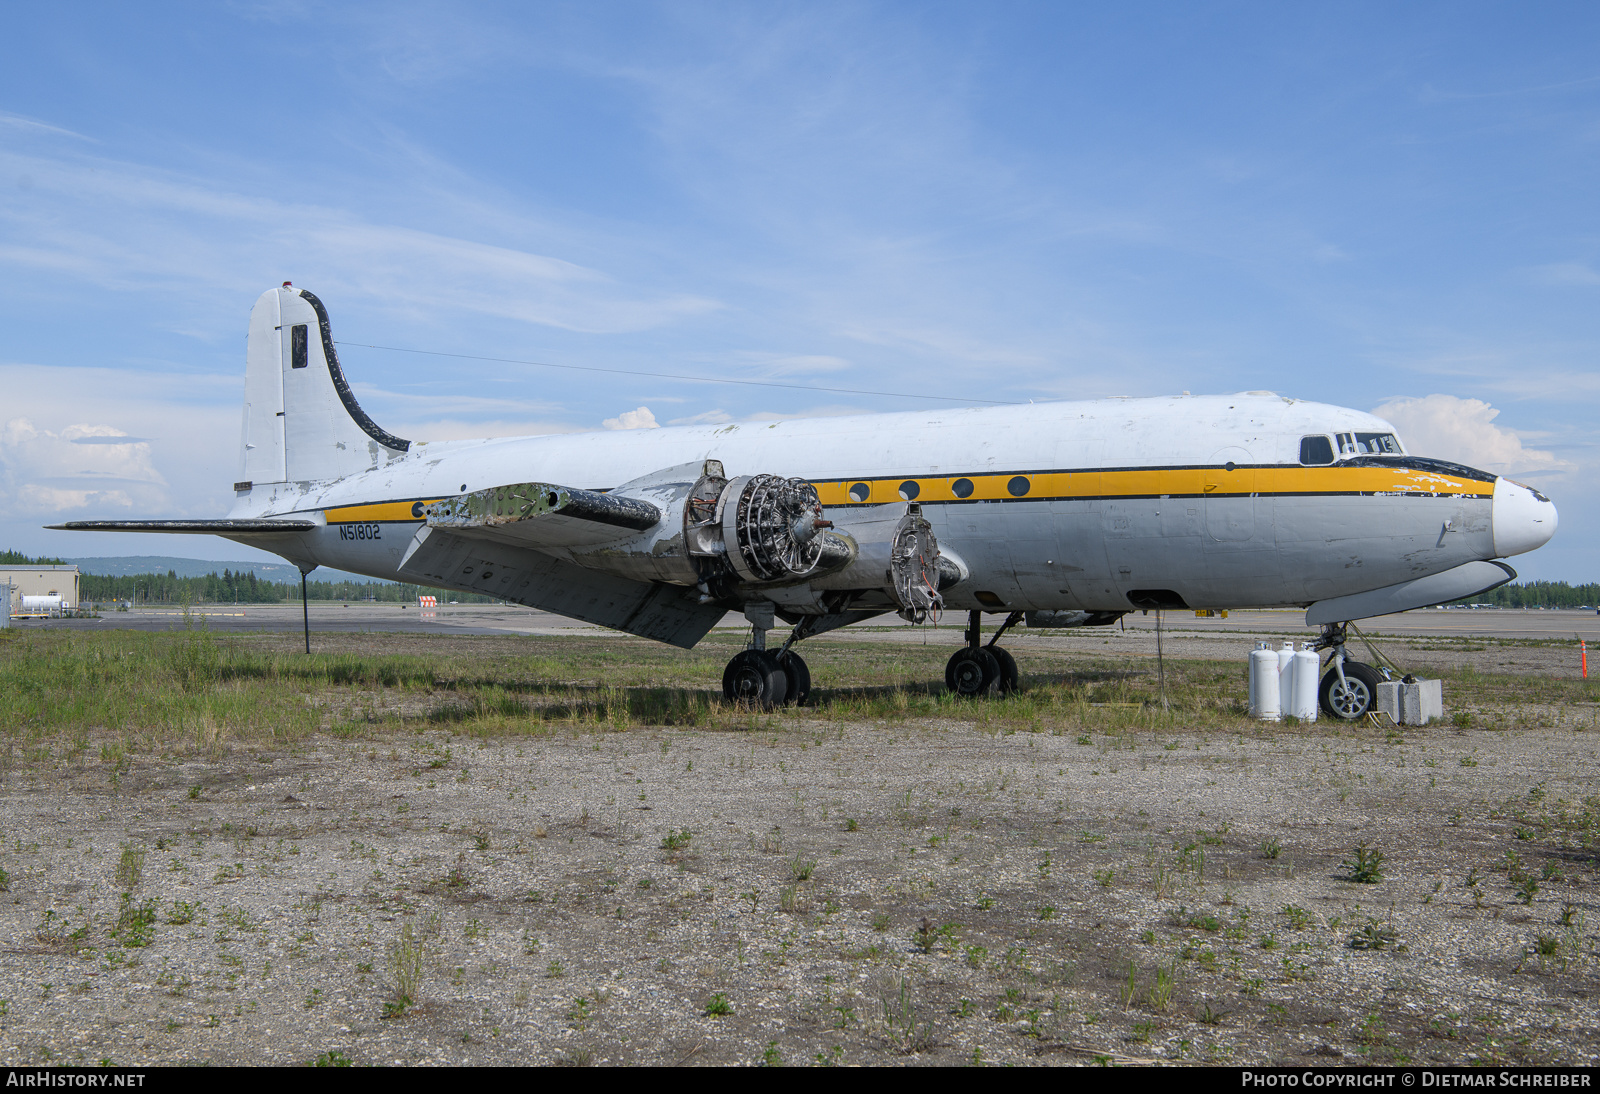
130, 565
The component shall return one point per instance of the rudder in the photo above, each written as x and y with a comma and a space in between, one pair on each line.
301, 420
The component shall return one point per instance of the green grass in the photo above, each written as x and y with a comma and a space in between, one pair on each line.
195, 691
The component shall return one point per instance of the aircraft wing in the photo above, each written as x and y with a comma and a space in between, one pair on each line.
541, 515
666, 613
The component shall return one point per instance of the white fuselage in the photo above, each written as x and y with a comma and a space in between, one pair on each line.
1104, 505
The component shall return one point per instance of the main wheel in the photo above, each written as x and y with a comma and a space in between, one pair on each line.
797, 679
1352, 699
755, 677
972, 672
1010, 680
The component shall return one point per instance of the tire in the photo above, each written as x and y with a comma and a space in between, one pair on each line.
1353, 701
755, 678
1010, 680
797, 678
972, 672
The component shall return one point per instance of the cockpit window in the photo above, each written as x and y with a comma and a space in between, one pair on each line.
1316, 450
1368, 444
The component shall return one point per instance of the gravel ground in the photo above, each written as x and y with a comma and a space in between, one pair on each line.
920, 893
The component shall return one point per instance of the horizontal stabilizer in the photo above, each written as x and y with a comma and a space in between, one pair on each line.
666, 613
202, 527
1468, 579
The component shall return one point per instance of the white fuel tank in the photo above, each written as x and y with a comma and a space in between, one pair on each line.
1264, 701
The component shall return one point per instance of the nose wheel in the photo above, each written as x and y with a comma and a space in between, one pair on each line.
1353, 697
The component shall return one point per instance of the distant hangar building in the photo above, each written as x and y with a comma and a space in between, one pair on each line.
39, 584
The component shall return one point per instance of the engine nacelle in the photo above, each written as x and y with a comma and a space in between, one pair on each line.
761, 530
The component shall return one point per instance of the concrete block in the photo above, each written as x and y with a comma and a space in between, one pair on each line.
1388, 699
1421, 702
1414, 704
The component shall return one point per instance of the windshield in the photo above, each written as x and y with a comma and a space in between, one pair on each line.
1369, 444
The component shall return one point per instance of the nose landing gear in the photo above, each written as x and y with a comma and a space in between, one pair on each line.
983, 669
1349, 689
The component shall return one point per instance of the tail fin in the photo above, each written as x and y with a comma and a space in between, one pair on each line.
301, 420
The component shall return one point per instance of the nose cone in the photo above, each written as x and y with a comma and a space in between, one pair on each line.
1523, 518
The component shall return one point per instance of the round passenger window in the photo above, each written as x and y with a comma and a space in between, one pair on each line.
961, 488
909, 490
860, 492
1018, 486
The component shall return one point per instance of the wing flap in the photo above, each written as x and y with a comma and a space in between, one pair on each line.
665, 613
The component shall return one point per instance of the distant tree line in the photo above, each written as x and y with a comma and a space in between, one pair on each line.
246, 588
17, 558
1538, 594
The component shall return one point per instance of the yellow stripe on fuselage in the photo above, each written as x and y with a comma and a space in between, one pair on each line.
1152, 482
377, 511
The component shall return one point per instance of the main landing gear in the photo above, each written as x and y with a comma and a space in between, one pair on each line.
983, 669
765, 678
1349, 689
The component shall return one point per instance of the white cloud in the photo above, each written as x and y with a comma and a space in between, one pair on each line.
456, 429
804, 364
1565, 273
1463, 430
708, 417
48, 472
126, 226
633, 419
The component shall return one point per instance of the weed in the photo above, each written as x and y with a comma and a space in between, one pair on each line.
801, 868
1159, 994
718, 1006
676, 841
1271, 849
130, 867
181, 912
926, 937
1372, 936
135, 923
772, 1057
1105, 877
1365, 865
405, 960
332, 1058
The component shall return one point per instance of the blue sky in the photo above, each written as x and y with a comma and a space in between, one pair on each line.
1388, 207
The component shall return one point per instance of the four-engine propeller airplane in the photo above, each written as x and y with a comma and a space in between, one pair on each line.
1057, 514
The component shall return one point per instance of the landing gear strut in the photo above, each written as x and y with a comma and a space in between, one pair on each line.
1349, 689
978, 669
762, 678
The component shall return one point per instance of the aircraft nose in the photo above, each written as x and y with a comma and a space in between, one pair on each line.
1523, 518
